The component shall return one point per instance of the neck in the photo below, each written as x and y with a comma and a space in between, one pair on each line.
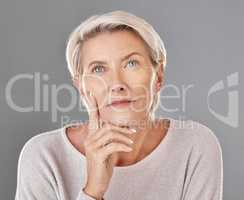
141, 145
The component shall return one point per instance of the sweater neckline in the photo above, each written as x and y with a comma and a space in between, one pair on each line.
139, 164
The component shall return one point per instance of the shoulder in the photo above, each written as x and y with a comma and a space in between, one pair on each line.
35, 175
204, 165
205, 138
40, 146
43, 139
198, 136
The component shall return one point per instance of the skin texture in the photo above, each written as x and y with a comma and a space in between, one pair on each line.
113, 78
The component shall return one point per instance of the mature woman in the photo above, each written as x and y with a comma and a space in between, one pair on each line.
117, 63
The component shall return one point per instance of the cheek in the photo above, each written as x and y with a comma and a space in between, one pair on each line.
95, 86
142, 84
93, 83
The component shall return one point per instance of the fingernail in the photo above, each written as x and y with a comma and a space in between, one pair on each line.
129, 149
133, 130
90, 94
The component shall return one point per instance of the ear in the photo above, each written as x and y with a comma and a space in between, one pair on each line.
159, 76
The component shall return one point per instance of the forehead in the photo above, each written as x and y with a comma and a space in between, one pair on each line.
112, 45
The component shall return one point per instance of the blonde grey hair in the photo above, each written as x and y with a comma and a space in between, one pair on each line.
113, 21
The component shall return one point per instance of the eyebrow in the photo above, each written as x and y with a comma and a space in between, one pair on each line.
122, 59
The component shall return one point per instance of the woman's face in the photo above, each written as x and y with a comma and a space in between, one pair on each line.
117, 66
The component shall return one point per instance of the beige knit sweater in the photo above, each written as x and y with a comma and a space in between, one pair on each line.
186, 165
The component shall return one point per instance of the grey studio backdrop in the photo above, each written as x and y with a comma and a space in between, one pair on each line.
204, 42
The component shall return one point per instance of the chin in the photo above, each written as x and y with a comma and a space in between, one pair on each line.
122, 118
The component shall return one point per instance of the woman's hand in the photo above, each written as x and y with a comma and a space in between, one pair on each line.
100, 144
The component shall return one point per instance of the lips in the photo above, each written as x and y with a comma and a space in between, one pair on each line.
116, 102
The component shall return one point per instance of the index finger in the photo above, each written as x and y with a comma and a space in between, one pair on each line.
93, 111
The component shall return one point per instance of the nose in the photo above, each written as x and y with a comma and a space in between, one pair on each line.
117, 85
118, 88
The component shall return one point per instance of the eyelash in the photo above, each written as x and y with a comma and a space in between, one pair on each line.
132, 60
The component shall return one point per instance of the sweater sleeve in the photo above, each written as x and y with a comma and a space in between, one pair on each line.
204, 179
83, 196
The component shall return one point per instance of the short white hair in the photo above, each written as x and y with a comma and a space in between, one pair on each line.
113, 21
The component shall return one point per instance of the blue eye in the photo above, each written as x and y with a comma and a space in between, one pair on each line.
97, 67
132, 62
